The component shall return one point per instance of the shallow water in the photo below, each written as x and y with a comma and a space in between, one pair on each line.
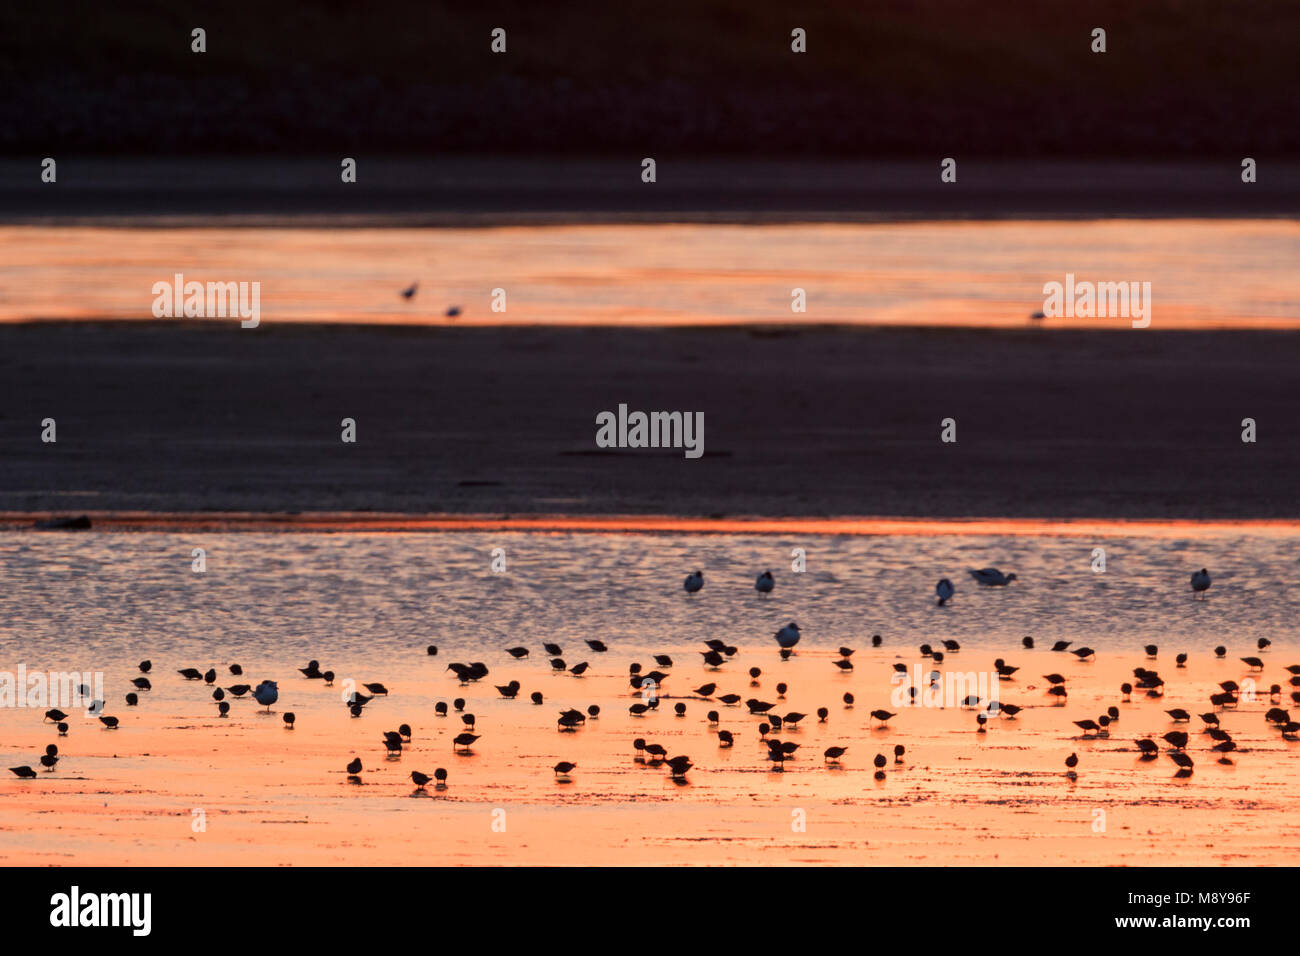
367, 604
1234, 273
103, 598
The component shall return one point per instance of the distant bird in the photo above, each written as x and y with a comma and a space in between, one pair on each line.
210, 676
409, 292
1062, 645
1087, 726
1054, 678
835, 753
1072, 761
1151, 650
883, 716
1082, 652
1148, 747
109, 722
266, 694
24, 773
404, 730
844, 665
764, 583
432, 650
236, 670
564, 768
419, 779
1220, 651
145, 666
552, 650
535, 697
55, 714
945, 590
598, 646
191, 673
509, 691
663, 660
577, 670
876, 640
788, 636
693, 582
288, 719
1180, 660
463, 741
1263, 643
1176, 739
1254, 663
223, 708
354, 767
1200, 581
517, 652
63, 730
378, 690
706, 690
239, 690
132, 700
311, 671
452, 311
1179, 714
142, 683
440, 775
992, 577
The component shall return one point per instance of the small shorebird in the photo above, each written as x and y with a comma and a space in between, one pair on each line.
463, 742
509, 691
24, 773
833, 754
191, 673
992, 577
419, 779
945, 590
517, 652
1200, 581
564, 768
693, 582
409, 292
764, 583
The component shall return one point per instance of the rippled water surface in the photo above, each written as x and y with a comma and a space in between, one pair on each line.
113, 597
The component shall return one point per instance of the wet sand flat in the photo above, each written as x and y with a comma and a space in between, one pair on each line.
813, 421
272, 796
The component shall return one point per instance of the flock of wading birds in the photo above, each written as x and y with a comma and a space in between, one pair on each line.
716, 655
